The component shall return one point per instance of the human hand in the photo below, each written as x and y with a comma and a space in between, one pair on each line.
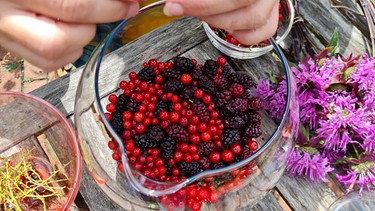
249, 21
51, 34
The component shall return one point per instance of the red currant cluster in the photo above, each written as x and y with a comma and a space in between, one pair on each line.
173, 123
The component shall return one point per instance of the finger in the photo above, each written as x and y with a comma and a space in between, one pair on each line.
250, 17
255, 36
82, 11
39, 36
203, 7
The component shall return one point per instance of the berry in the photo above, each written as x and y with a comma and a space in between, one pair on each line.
200, 109
210, 67
185, 65
227, 155
146, 74
215, 157
236, 89
189, 169
253, 145
230, 137
237, 106
186, 78
221, 61
253, 131
256, 103
178, 133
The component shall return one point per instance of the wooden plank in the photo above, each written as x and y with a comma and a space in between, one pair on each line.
351, 40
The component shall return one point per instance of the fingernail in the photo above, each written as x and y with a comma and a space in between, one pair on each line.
173, 9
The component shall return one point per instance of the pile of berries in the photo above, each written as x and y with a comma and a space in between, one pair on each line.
179, 118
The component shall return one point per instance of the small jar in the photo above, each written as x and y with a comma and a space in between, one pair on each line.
240, 52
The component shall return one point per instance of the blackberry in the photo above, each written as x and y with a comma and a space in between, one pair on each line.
235, 121
189, 169
256, 103
156, 133
254, 117
143, 142
246, 152
116, 122
222, 98
167, 148
242, 78
248, 94
169, 169
161, 105
146, 74
197, 72
205, 148
188, 92
217, 165
236, 89
253, 131
206, 84
201, 110
205, 163
231, 136
178, 133
171, 74
210, 67
237, 106
220, 82
226, 69
132, 105
174, 86
185, 65
121, 103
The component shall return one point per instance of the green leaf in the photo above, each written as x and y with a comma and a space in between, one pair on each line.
11, 67
333, 44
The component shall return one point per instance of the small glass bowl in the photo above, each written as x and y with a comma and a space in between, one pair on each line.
240, 52
355, 200
34, 131
240, 184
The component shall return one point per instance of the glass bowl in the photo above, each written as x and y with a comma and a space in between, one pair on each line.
109, 148
354, 200
38, 148
244, 52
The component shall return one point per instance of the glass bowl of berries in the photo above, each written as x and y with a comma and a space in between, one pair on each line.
228, 45
167, 122
40, 160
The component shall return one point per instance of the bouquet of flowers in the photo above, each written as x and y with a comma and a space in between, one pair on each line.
337, 117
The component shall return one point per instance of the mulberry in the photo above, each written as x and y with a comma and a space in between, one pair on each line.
174, 86
143, 142
178, 133
253, 131
188, 92
220, 82
185, 65
167, 148
197, 72
116, 122
218, 165
205, 148
235, 121
190, 169
171, 74
242, 78
205, 163
236, 89
146, 74
161, 105
231, 136
256, 103
206, 84
237, 106
156, 133
121, 103
210, 67
201, 110
132, 105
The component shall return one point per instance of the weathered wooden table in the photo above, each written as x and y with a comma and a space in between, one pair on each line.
322, 18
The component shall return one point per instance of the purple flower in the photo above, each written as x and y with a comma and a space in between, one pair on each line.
362, 174
313, 165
